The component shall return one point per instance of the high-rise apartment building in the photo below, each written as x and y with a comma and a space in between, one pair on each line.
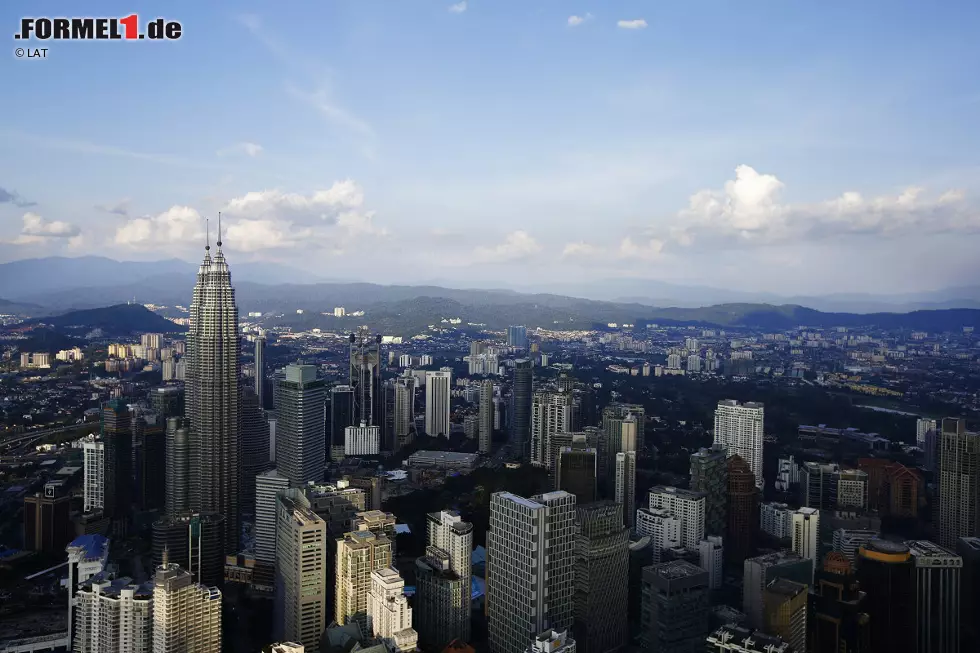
685, 505
709, 474
485, 433
711, 551
923, 426
521, 416
623, 427
268, 486
153, 340
805, 534
674, 614
389, 616
437, 393
938, 586
300, 437
739, 429
358, 554
661, 527
443, 577
785, 606
551, 413
517, 337
93, 452
742, 509
404, 422
625, 492
212, 400
113, 616
601, 572
341, 416
530, 568
959, 482
186, 616
301, 569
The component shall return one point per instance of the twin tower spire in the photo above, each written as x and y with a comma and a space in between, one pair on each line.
207, 233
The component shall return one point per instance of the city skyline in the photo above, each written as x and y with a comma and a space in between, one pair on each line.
834, 136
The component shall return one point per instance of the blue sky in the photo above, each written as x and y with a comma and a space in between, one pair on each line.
773, 145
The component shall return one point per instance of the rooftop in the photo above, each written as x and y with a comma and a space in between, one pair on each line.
94, 547
785, 587
927, 548
679, 492
677, 569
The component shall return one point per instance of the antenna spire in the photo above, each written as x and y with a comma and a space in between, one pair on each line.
219, 229
207, 234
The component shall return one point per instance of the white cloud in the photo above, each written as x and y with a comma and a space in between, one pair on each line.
516, 245
648, 251
581, 249
247, 149
636, 23
270, 219
35, 229
748, 210
458, 8
575, 21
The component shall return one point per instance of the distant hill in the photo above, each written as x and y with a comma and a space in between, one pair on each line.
8, 307
121, 319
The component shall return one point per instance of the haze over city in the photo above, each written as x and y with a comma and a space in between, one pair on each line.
793, 148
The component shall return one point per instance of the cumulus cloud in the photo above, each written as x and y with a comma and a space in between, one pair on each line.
517, 245
575, 21
646, 251
12, 197
458, 8
35, 229
581, 249
268, 219
636, 23
749, 210
242, 149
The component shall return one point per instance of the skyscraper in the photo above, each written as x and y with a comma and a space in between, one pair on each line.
113, 615
626, 484
577, 473
959, 482
389, 616
301, 569
601, 569
551, 413
212, 395
93, 451
517, 337
149, 459
358, 554
365, 378
743, 510
486, 416
178, 465
300, 440
758, 572
709, 474
886, 572
437, 393
937, 597
186, 616
268, 485
785, 605
521, 419
117, 437
685, 505
404, 422
739, 429
341, 416
260, 368
194, 542
530, 568
805, 534
674, 616
443, 597
840, 622
254, 430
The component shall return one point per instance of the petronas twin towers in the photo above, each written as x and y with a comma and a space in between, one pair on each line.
212, 395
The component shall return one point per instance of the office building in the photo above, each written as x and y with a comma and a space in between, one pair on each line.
113, 616
551, 413
268, 485
194, 542
623, 427
337, 504
576, 475
923, 426
149, 459
517, 337
93, 452
300, 437
743, 510
521, 415
485, 424
186, 616
685, 505
776, 519
301, 569
938, 576
840, 622
806, 533
893, 488
760, 571
709, 474
254, 430
389, 617
848, 541
968, 548
212, 401
178, 465
404, 422
260, 368
530, 568
443, 595
711, 551
601, 572
785, 605
625, 493
959, 482
362, 440
47, 521
437, 392
167, 401
674, 614
739, 639
358, 554
739, 429
341, 416
885, 571
827, 487
365, 378
553, 641
117, 438
661, 528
